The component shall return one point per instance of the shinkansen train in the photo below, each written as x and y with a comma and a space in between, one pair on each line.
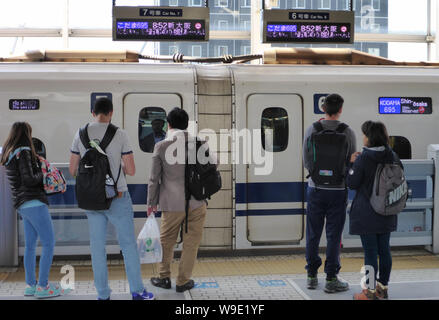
262, 201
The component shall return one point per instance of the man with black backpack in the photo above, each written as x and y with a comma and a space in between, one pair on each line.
101, 156
179, 184
328, 145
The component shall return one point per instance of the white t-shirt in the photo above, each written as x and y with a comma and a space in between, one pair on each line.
119, 146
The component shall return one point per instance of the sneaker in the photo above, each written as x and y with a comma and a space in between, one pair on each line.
187, 286
335, 285
50, 291
29, 291
366, 294
381, 291
164, 283
144, 296
312, 282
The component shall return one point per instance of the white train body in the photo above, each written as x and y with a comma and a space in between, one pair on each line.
251, 211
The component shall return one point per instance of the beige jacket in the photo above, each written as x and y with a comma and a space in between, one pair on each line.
166, 180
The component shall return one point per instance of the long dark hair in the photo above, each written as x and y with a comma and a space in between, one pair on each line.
376, 133
19, 136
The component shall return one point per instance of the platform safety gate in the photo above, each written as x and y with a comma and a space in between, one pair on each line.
422, 175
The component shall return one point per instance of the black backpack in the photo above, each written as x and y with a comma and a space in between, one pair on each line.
201, 180
329, 152
95, 187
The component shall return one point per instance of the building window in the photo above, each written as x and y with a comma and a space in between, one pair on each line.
196, 51
246, 50
274, 129
401, 146
195, 3
152, 127
274, 3
247, 25
375, 27
376, 5
221, 3
223, 50
298, 4
173, 3
324, 4
245, 3
172, 50
223, 24
374, 51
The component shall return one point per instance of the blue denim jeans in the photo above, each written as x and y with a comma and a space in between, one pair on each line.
329, 205
121, 216
37, 223
375, 245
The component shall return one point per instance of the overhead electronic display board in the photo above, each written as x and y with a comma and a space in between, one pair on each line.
160, 23
308, 26
24, 104
405, 105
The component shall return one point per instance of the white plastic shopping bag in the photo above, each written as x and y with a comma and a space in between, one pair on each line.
148, 242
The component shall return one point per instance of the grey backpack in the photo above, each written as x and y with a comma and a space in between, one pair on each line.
390, 189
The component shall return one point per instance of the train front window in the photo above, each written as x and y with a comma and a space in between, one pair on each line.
274, 129
152, 127
401, 146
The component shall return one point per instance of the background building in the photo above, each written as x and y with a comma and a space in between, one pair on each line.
371, 16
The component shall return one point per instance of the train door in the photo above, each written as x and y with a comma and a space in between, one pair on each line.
275, 199
144, 120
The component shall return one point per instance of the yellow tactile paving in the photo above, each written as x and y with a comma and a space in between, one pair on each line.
233, 267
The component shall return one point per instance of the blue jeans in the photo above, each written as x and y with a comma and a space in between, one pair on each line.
375, 245
329, 205
37, 223
120, 215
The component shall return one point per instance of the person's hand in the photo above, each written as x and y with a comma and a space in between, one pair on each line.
151, 209
354, 156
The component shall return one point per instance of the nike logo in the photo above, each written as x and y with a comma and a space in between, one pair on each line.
88, 167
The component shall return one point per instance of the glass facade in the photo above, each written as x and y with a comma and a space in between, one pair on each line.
39, 26
234, 15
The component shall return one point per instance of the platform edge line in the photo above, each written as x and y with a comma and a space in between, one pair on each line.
299, 291
187, 295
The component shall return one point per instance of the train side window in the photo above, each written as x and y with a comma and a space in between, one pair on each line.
39, 146
152, 127
275, 118
401, 146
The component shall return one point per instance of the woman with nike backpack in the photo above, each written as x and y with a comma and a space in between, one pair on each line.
28, 189
371, 222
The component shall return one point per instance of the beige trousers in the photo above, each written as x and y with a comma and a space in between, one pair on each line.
169, 230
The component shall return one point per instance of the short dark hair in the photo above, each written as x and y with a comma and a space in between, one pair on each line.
103, 105
178, 119
332, 104
376, 133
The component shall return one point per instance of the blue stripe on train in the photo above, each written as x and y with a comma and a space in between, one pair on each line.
261, 192
137, 214
269, 212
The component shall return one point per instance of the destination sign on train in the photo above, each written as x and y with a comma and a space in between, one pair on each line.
404, 105
161, 23
308, 26
24, 104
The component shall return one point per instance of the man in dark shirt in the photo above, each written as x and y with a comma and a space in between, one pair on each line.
148, 142
326, 204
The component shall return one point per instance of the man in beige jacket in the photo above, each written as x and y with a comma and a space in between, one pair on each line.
166, 187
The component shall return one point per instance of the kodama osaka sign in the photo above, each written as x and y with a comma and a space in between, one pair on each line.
308, 26
161, 23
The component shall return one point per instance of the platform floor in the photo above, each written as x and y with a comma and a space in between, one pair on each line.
415, 275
